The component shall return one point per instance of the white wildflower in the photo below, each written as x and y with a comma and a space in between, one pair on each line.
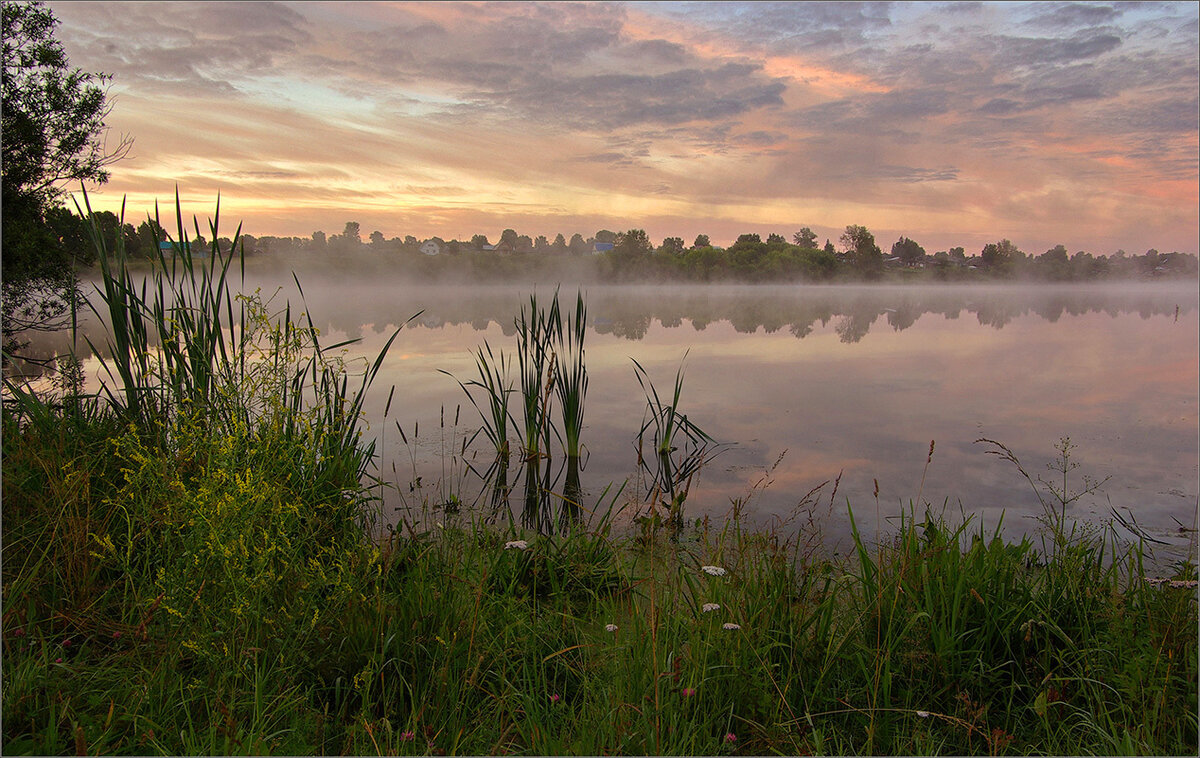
923, 714
710, 607
610, 627
730, 626
713, 570
516, 545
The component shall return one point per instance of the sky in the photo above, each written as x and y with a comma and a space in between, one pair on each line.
954, 124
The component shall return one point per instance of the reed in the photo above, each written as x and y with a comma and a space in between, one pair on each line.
681, 447
536, 329
571, 379
496, 385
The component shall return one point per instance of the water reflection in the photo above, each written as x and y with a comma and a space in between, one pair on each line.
629, 311
813, 383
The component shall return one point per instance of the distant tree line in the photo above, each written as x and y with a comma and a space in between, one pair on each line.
631, 256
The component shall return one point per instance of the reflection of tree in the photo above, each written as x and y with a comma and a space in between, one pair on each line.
631, 326
800, 331
856, 320
905, 316
852, 327
343, 306
996, 314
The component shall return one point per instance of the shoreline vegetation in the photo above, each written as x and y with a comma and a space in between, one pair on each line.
191, 567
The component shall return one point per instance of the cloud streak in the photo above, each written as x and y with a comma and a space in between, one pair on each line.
952, 124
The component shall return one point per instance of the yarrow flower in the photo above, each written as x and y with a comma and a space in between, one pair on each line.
610, 627
710, 607
516, 545
923, 714
713, 570
730, 626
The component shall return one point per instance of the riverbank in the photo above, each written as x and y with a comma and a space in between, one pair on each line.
209, 597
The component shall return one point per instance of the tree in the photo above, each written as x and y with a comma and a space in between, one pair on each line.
776, 239
672, 245
376, 238
52, 131
829, 248
352, 235
860, 247
909, 252
541, 244
509, 236
702, 241
479, 241
631, 244
605, 235
1054, 263
318, 238
578, 244
999, 256
805, 238
524, 243
560, 244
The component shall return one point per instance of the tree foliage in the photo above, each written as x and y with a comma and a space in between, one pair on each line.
1000, 256
53, 135
805, 238
908, 251
632, 244
861, 249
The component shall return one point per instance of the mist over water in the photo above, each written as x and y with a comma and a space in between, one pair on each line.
807, 383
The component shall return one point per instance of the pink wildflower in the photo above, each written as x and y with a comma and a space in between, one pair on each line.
731, 738
555, 698
407, 736
688, 692
19, 632
58, 660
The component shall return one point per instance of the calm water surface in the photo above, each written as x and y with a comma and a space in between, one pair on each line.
809, 384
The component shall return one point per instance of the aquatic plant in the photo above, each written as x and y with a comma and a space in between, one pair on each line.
681, 448
571, 379
536, 328
496, 385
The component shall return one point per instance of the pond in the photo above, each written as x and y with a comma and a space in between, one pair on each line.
808, 386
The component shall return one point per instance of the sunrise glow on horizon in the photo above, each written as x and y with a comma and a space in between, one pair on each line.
953, 124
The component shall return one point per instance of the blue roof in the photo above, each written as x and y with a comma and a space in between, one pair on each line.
602, 247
